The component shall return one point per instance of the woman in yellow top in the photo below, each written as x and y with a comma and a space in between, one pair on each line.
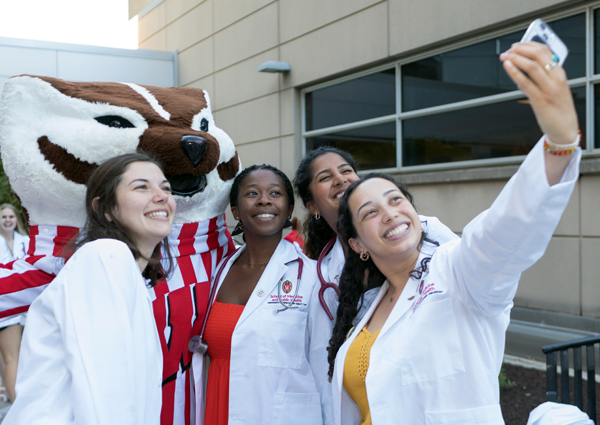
440, 314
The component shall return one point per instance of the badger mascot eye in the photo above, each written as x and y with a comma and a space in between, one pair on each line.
115, 121
204, 124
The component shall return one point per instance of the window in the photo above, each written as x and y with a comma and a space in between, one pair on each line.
455, 106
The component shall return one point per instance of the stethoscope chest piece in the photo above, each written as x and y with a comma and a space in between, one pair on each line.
196, 345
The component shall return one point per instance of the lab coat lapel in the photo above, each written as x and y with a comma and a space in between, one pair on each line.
407, 298
270, 278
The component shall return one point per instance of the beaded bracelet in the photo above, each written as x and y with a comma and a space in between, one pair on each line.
561, 150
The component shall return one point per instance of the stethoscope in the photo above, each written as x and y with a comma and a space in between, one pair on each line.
197, 343
324, 283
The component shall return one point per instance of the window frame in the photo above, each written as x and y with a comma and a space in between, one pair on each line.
588, 81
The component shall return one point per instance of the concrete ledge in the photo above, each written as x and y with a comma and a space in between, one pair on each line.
500, 172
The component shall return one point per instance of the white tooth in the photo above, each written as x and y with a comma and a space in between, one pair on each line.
265, 215
397, 230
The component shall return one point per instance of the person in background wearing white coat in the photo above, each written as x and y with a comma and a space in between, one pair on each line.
91, 353
266, 332
14, 247
429, 349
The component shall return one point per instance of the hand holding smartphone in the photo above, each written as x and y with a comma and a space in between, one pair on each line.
542, 33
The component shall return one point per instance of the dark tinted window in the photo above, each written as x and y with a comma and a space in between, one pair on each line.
372, 147
361, 99
491, 131
475, 71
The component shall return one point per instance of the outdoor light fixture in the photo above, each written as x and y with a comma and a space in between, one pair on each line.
274, 66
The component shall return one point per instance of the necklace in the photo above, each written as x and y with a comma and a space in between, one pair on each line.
253, 264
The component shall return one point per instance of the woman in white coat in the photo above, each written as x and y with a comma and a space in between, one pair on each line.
322, 177
429, 349
266, 332
16, 241
14, 246
91, 353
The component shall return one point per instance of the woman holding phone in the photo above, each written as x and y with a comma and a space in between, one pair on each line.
430, 347
91, 352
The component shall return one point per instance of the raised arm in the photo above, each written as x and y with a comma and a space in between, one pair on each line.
533, 69
513, 234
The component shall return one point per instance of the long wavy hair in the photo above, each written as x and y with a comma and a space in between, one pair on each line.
360, 276
101, 203
316, 232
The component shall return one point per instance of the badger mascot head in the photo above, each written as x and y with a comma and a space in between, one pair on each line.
54, 133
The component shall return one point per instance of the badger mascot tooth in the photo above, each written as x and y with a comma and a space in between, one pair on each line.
54, 133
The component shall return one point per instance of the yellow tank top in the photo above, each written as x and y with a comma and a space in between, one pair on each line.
355, 372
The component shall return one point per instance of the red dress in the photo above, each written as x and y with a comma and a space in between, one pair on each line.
219, 330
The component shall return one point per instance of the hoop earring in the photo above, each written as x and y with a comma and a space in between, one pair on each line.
317, 216
364, 256
239, 228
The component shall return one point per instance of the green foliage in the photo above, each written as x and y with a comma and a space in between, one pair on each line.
7, 196
504, 381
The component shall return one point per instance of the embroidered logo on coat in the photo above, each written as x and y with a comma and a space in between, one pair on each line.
287, 286
424, 292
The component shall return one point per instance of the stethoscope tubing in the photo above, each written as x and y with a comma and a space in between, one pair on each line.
324, 284
197, 343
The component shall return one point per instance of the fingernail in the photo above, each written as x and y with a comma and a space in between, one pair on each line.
508, 64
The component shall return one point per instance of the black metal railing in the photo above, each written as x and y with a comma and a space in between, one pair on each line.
552, 376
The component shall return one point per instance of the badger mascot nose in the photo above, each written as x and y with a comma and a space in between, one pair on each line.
195, 148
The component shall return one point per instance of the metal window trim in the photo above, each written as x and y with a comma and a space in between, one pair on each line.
352, 126
588, 81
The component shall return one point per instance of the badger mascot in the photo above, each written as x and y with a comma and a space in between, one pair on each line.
54, 133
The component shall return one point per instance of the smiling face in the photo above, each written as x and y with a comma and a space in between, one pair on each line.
387, 224
9, 220
263, 206
145, 205
331, 176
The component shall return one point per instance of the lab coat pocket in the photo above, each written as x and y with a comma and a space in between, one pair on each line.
281, 338
297, 409
488, 415
432, 349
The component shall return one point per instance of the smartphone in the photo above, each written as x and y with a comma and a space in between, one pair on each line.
542, 33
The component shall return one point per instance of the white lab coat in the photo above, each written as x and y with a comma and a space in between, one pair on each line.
437, 357
334, 261
90, 353
20, 246
278, 371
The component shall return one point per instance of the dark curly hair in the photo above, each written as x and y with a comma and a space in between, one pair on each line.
102, 185
317, 232
360, 276
235, 187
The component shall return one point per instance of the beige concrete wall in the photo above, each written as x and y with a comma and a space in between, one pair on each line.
222, 42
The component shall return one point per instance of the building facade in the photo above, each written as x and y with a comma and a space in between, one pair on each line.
414, 88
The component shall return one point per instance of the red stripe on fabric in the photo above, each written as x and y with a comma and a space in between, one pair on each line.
186, 269
8, 266
230, 244
188, 393
207, 263
33, 232
64, 234
19, 281
13, 311
34, 259
168, 401
161, 288
186, 239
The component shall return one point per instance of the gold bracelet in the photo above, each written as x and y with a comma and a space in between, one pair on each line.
560, 150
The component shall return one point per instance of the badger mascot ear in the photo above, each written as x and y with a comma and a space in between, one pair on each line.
54, 133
